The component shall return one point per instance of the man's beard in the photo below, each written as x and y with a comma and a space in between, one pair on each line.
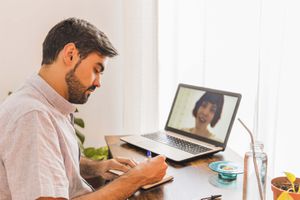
76, 90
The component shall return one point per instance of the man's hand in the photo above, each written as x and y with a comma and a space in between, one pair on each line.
150, 171
147, 172
121, 164
91, 168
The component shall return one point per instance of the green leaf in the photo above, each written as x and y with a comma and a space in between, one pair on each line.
80, 136
89, 152
79, 122
98, 157
291, 177
102, 151
285, 196
96, 154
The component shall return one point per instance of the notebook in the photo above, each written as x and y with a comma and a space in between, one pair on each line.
199, 123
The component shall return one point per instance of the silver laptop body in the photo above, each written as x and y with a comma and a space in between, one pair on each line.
199, 123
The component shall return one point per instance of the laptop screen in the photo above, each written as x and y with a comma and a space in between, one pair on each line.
203, 113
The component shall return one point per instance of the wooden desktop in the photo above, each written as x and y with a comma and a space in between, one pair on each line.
192, 180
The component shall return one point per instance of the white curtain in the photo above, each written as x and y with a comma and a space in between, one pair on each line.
140, 104
249, 46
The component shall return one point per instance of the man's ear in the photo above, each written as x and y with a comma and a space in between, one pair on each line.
70, 54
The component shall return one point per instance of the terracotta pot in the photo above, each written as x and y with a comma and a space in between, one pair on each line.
277, 191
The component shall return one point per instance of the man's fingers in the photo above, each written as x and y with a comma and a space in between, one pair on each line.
119, 166
110, 176
159, 158
126, 161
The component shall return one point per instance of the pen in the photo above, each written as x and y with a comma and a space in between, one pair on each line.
149, 154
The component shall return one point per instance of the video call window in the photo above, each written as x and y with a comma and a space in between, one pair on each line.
203, 113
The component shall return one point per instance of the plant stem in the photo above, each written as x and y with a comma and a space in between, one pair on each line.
254, 160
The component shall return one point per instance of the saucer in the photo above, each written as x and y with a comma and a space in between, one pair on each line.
227, 170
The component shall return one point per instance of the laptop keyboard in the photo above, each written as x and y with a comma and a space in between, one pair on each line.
177, 143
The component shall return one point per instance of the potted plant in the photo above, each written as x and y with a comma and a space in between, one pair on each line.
93, 153
286, 188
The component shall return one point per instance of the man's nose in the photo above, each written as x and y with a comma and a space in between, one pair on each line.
97, 82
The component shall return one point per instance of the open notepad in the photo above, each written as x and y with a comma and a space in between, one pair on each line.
145, 187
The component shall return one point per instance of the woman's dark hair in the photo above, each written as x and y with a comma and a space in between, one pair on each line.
214, 98
86, 37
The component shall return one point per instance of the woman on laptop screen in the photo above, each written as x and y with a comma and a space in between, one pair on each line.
207, 111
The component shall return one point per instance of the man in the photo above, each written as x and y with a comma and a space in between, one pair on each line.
39, 155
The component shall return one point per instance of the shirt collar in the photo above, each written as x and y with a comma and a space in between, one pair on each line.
55, 99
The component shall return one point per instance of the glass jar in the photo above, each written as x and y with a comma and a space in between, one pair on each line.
251, 189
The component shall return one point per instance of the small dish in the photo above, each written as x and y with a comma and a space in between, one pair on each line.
227, 170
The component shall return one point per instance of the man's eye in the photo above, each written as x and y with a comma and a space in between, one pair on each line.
97, 71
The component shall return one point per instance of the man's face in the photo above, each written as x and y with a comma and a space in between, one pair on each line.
83, 79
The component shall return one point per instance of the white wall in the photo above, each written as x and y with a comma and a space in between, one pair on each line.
125, 104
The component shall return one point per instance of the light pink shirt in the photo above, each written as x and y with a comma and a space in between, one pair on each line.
38, 146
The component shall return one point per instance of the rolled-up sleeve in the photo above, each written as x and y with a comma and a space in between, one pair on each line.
34, 163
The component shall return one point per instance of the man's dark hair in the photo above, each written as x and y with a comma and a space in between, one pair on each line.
86, 37
213, 98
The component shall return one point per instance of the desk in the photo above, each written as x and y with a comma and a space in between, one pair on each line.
191, 179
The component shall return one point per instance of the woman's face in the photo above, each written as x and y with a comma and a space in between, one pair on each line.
206, 113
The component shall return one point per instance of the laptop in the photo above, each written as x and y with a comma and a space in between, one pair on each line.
199, 123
